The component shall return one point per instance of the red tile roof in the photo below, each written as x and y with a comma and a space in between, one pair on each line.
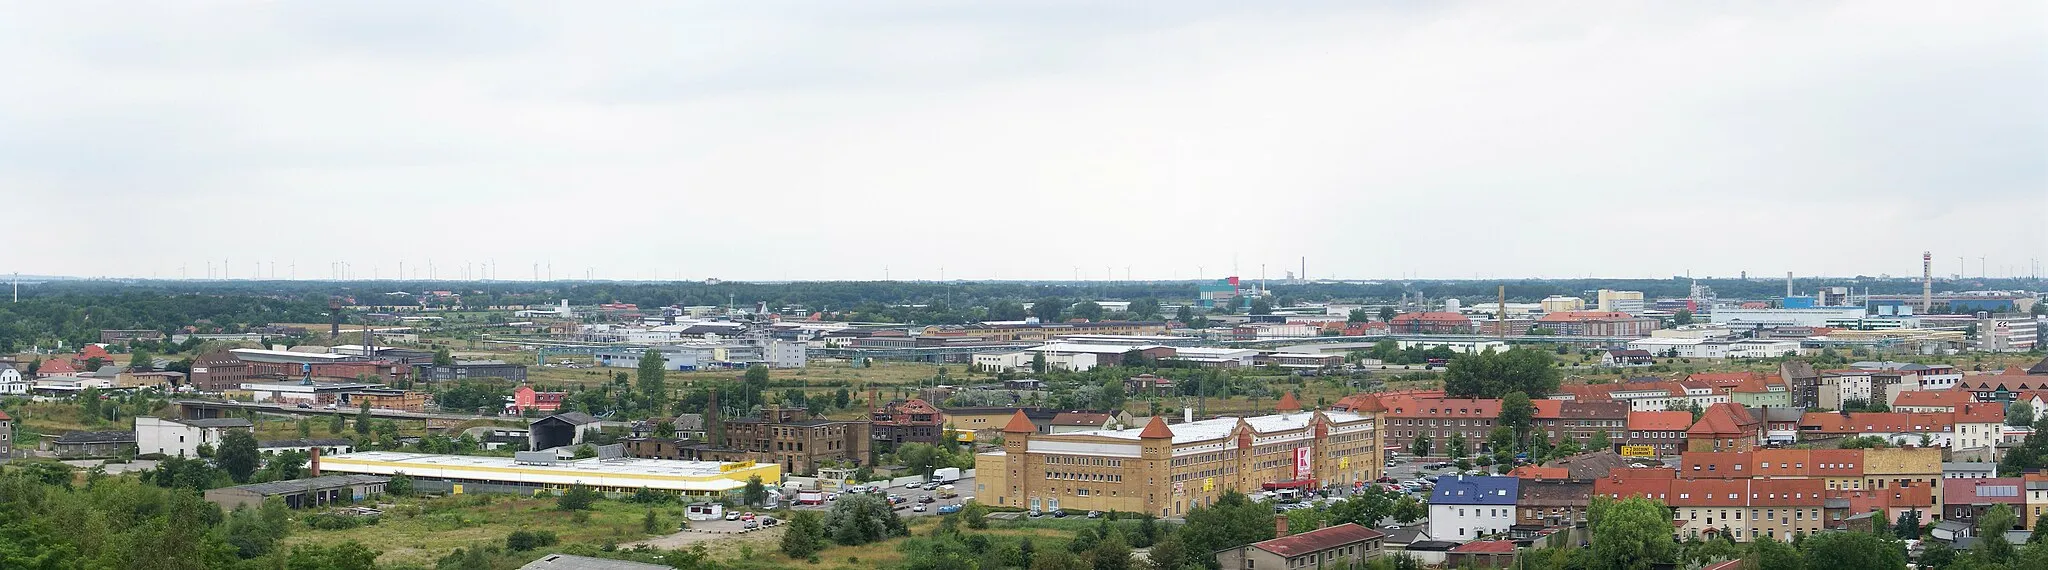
1318, 540
1787, 492
92, 351
1916, 494
1874, 422
56, 366
1932, 398
1288, 403
1432, 317
1709, 493
1724, 420
1155, 429
1659, 421
1486, 546
1020, 424
1547, 409
1716, 464
1650, 483
1443, 408
1724, 379
1980, 413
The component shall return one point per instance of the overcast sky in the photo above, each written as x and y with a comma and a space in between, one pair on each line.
832, 140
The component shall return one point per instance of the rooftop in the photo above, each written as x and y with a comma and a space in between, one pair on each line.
1318, 540
304, 485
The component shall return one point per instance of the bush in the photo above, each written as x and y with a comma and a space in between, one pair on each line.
522, 540
577, 498
331, 521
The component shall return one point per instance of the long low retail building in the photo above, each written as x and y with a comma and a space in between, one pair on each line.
478, 474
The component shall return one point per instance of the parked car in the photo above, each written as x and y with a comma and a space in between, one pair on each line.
751, 525
917, 509
732, 515
769, 521
926, 499
949, 509
1094, 514
1059, 513
747, 516
1035, 513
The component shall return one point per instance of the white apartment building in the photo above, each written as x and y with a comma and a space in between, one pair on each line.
1838, 388
1463, 507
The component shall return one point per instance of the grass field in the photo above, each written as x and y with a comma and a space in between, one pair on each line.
421, 530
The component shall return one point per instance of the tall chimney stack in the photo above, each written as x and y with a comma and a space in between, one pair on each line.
1788, 284
1926, 282
313, 461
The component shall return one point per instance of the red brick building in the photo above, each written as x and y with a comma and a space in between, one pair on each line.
1430, 323
1597, 323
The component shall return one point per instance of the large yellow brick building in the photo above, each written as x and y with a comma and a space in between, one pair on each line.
1168, 469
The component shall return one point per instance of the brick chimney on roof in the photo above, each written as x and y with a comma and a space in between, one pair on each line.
313, 462
1280, 525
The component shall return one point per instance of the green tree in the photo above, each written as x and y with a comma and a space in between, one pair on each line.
579, 497
1456, 447
653, 381
1111, 553
1936, 556
1408, 509
1233, 520
305, 428
1681, 317
805, 535
1600, 442
1493, 375
2019, 413
1184, 314
975, 515
140, 360
363, 419
1632, 534
860, 519
1766, 553
1037, 363
1419, 447
237, 454
754, 493
1261, 306
1088, 310
651, 523
1365, 508
336, 423
1145, 308
1057, 560
1851, 551
1518, 414
524, 540
400, 485
1048, 310
1112, 395
349, 555
1991, 545
443, 358
1908, 527
1170, 554
1357, 316
255, 532
1386, 314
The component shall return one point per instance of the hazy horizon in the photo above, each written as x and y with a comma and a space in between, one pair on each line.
1042, 141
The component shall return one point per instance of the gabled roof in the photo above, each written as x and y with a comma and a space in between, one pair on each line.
1092, 419
1318, 540
1537, 472
56, 366
1019, 424
1996, 490
1443, 408
1874, 422
573, 418
1932, 398
1486, 547
1475, 490
1980, 413
2039, 368
1724, 419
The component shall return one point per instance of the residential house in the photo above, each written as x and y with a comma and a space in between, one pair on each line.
1581, 420
1963, 500
1781, 423
1933, 430
12, 383
6, 437
1547, 498
1725, 427
1977, 427
1440, 419
1968, 469
1896, 503
801, 444
1931, 401
1482, 554
1803, 381
1341, 546
1656, 434
1842, 388
1470, 507
1149, 385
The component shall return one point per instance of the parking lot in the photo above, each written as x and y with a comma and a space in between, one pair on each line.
963, 489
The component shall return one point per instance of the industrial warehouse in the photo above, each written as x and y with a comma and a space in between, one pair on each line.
528, 474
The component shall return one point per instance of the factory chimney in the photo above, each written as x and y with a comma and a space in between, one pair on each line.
1926, 282
1788, 284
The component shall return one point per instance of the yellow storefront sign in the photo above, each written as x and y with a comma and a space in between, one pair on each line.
731, 467
1638, 451
1208, 483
